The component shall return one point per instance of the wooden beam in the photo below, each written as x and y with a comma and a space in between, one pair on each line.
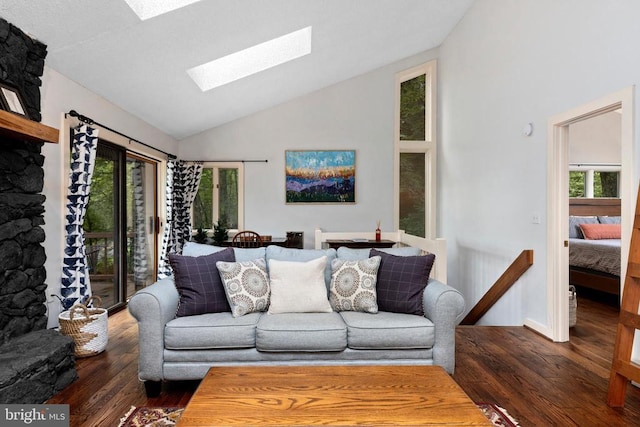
500, 287
18, 127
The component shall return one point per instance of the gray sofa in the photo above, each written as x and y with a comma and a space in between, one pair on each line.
183, 348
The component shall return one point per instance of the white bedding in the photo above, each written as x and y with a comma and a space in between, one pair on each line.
601, 255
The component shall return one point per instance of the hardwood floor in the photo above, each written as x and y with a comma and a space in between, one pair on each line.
539, 382
545, 383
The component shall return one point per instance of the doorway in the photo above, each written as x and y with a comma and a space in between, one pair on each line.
558, 200
120, 225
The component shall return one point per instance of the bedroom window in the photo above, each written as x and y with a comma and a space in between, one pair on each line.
415, 150
591, 182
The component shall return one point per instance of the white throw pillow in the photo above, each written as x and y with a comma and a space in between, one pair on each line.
298, 287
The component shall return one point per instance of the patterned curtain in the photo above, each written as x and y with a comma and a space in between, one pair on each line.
183, 180
140, 264
75, 285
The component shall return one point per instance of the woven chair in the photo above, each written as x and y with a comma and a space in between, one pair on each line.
247, 239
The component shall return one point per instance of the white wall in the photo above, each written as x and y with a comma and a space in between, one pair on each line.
508, 63
355, 114
59, 95
596, 140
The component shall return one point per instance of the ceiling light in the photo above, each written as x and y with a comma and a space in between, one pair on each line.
146, 9
252, 60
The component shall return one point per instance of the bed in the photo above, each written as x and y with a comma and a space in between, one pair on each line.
594, 264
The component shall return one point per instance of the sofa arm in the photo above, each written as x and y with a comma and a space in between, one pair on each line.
444, 306
153, 307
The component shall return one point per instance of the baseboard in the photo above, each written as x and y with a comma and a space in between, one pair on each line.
538, 328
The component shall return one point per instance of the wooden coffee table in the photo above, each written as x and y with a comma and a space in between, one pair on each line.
330, 396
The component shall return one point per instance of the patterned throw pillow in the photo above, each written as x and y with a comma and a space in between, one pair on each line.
353, 285
198, 282
246, 285
401, 282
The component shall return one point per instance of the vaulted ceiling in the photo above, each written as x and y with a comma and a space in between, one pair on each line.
141, 65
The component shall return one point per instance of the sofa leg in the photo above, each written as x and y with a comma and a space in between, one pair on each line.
153, 388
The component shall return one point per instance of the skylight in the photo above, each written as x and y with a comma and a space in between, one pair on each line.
146, 9
252, 60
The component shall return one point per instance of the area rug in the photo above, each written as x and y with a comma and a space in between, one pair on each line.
497, 415
146, 416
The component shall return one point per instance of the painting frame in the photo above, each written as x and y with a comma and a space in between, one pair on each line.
11, 100
320, 177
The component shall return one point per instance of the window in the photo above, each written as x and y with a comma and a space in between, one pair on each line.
594, 181
412, 109
415, 150
220, 197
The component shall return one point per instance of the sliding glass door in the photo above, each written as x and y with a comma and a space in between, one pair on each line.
120, 225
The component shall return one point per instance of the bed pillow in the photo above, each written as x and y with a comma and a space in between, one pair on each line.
574, 225
609, 219
198, 282
246, 285
601, 231
353, 285
298, 287
401, 281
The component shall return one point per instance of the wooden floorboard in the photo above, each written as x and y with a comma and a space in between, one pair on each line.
539, 382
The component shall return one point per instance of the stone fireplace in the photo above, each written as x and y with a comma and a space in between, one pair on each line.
35, 362
22, 257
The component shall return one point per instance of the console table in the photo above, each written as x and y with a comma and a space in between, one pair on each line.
359, 244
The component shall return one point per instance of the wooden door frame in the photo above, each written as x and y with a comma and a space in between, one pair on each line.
558, 201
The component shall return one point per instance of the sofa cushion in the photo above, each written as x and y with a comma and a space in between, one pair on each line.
289, 254
298, 287
351, 254
242, 254
401, 281
199, 284
291, 332
386, 330
246, 285
211, 331
353, 285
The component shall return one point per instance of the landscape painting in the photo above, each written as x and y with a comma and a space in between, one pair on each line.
324, 176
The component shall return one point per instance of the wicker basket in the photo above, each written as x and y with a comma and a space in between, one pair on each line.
87, 326
573, 306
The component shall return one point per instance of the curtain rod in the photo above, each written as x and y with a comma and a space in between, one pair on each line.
228, 161
89, 121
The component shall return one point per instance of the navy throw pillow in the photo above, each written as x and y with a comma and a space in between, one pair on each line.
401, 281
199, 284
